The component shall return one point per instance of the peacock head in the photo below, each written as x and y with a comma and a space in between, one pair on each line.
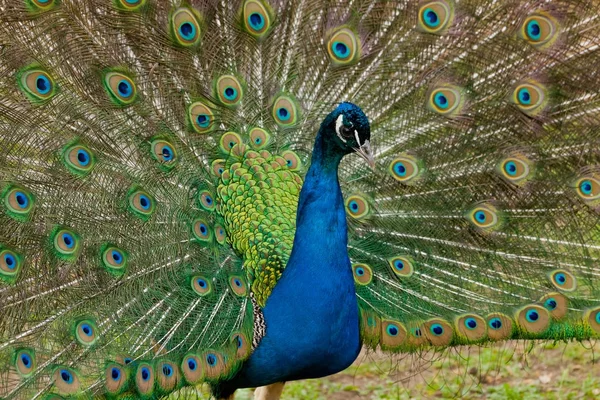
348, 127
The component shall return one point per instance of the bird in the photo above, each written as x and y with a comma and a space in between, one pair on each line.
244, 193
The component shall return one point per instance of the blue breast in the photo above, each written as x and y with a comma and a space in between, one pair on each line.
312, 314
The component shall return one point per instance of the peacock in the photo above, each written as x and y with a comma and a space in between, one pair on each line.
243, 193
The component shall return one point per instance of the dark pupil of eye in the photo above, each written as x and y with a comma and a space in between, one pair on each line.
116, 257
167, 370
201, 283
41, 84
587, 187
525, 96
20, 199
144, 202
535, 29
237, 283
145, 374
67, 240
202, 229
341, 48
512, 168
418, 332
393, 331
360, 272
283, 112
166, 152
401, 169
82, 157
65, 376
208, 200
432, 17
438, 330
496, 324
354, 206
552, 304
255, 19
562, 279
123, 88
211, 360
9, 260
127, 360
229, 92
25, 360
115, 373
533, 316
202, 119
472, 323
239, 342
192, 364
443, 100
186, 29
86, 330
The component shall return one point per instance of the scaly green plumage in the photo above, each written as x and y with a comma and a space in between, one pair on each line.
153, 153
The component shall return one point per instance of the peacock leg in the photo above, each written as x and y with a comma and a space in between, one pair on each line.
269, 392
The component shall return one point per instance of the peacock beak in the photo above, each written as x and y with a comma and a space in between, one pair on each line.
367, 154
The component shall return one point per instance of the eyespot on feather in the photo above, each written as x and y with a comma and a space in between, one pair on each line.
116, 378
37, 84
540, 30
191, 369
259, 138
66, 243
10, 265
515, 169
206, 200
402, 266
435, 16
78, 159
563, 280
285, 110
371, 329
416, 337
292, 161
343, 46
530, 97
213, 363
141, 203
113, 259
40, 5
592, 319
438, 332
556, 304
220, 234
471, 326
218, 167
393, 334
363, 274
130, 5
238, 285
588, 188
167, 375
242, 345
144, 379
228, 141
185, 27
500, 326
405, 169
86, 332
66, 380
120, 87
484, 217
357, 207
447, 100
24, 362
164, 152
533, 319
256, 18
201, 117
229, 90
201, 230
18, 202
201, 285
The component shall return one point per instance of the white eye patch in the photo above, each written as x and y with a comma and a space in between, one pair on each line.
357, 138
339, 122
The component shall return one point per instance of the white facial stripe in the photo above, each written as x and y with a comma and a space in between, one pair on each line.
339, 122
357, 138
